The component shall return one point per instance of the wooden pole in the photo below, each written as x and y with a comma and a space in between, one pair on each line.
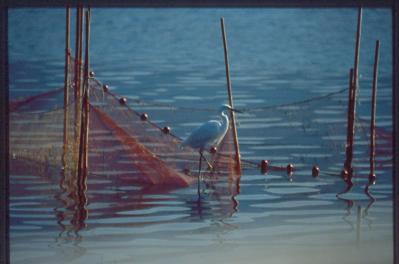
357, 47
230, 94
350, 92
349, 120
395, 125
355, 84
66, 85
372, 175
78, 69
84, 129
87, 93
4, 139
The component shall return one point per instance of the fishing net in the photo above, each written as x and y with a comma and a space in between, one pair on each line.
138, 142
313, 132
122, 141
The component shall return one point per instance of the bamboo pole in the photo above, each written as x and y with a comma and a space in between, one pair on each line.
349, 119
87, 93
82, 212
84, 128
230, 94
350, 92
5, 218
395, 125
66, 85
355, 84
78, 84
357, 47
77, 69
372, 175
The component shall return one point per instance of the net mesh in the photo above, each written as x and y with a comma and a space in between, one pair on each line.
120, 141
144, 149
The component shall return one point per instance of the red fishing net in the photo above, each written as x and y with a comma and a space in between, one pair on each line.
134, 140
122, 142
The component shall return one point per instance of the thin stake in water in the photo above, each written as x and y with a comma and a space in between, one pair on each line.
230, 94
349, 125
199, 175
354, 86
84, 129
78, 59
66, 85
357, 47
372, 175
87, 92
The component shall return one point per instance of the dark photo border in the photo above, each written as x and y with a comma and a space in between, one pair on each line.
4, 89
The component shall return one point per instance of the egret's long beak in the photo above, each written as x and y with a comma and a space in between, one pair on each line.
236, 110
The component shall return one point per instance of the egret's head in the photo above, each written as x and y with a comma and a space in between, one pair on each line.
224, 108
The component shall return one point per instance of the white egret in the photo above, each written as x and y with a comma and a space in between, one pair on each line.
209, 134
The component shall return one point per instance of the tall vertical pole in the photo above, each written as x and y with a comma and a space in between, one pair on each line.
4, 139
66, 85
81, 212
372, 175
355, 84
78, 83
348, 148
349, 115
395, 125
84, 128
87, 92
230, 94
357, 47
77, 69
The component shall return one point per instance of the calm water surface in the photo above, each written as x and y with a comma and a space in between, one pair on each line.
174, 57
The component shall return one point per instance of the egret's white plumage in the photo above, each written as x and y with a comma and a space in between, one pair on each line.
210, 133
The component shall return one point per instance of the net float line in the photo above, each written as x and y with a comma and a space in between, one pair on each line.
122, 109
246, 163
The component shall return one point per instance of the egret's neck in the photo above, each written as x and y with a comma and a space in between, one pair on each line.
225, 121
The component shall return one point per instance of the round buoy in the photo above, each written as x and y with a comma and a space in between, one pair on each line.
264, 166
213, 150
315, 171
144, 117
166, 130
105, 88
92, 74
290, 168
345, 174
186, 171
123, 100
372, 179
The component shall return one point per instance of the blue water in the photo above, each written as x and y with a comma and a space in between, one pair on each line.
175, 57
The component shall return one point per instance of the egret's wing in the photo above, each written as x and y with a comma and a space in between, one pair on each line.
204, 135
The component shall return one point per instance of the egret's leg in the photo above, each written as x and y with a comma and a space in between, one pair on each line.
199, 174
209, 164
